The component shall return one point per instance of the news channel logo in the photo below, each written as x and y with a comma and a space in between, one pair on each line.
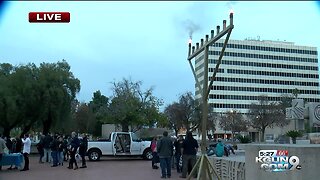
277, 161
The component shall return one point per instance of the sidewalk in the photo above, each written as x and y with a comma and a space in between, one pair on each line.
106, 169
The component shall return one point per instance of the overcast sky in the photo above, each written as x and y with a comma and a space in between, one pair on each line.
147, 41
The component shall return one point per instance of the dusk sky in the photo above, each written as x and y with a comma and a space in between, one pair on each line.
147, 41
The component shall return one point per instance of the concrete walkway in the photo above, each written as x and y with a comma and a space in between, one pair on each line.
106, 169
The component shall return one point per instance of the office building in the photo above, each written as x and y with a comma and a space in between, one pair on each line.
251, 68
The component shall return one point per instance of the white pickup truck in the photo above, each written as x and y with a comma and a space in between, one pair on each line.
119, 144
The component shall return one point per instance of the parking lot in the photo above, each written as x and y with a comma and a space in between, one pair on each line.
106, 169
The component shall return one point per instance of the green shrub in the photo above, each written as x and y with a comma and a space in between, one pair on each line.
244, 139
294, 134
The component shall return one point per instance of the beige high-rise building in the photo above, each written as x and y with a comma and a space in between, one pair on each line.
251, 68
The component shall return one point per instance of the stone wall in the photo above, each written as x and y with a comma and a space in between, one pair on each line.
314, 138
232, 167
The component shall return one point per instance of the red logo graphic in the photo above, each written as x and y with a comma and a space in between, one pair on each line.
49, 17
282, 153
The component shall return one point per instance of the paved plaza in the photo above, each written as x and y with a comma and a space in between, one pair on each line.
106, 169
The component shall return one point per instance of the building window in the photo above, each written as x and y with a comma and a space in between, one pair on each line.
285, 58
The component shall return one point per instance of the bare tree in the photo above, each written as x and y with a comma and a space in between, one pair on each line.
187, 106
266, 114
211, 121
233, 121
184, 113
173, 113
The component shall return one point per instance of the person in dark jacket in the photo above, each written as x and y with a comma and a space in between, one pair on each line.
46, 147
65, 148
83, 150
61, 147
13, 150
14, 146
8, 143
40, 148
228, 148
165, 152
19, 145
73, 147
189, 150
54, 151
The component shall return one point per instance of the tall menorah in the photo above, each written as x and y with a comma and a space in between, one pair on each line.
206, 170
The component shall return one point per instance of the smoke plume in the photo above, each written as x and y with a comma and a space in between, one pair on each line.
191, 27
231, 4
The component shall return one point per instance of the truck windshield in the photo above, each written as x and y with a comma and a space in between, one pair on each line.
135, 137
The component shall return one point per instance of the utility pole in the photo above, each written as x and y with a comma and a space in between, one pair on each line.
205, 168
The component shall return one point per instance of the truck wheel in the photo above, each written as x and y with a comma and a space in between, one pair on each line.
148, 154
94, 155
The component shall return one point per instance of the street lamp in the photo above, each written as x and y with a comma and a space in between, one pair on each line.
225, 128
258, 117
203, 162
232, 119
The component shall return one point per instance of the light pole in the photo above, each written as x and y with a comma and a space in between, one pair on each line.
232, 123
204, 165
233, 112
223, 118
258, 117
225, 129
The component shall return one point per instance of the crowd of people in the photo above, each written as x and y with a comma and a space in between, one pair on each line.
179, 152
57, 148
16, 145
182, 153
54, 149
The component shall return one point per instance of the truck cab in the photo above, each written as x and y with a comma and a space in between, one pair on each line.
119, 144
